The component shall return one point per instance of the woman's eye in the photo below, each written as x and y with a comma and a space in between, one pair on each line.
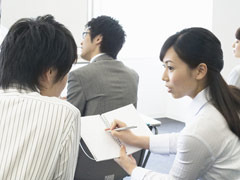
170, 68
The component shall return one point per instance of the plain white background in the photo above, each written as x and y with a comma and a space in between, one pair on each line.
147, 26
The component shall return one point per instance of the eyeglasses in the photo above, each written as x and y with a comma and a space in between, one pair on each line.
84, 34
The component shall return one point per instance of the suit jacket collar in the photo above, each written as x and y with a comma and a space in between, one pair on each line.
103, 57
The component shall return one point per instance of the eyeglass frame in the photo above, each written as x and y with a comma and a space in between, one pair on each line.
84, 34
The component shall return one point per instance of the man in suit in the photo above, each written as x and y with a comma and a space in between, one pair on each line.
106, 83
102, 85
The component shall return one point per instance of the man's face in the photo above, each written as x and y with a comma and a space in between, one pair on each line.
88, 46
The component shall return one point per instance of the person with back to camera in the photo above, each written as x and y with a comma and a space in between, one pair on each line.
103, 85
208, 148
39, 133
234, 76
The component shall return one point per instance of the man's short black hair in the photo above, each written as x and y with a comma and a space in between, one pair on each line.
111, 31
31, 47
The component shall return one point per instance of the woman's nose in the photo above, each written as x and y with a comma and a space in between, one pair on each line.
233, 45
165, 76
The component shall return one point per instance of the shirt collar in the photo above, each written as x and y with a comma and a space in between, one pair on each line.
95, 57
199, 101
14, 88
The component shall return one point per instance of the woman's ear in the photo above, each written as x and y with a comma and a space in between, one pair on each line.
201, 71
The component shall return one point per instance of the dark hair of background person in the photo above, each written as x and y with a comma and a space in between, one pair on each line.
111, 31
237, 34
31, 47
198, 45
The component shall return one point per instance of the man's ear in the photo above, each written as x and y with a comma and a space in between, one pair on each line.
47, 76
98, 39
201, 71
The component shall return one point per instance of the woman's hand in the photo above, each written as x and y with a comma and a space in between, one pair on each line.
127, 162
126, 136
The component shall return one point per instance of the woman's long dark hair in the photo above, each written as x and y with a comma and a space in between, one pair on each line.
198, 45
237, 34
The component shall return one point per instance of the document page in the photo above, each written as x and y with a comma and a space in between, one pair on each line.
102, 144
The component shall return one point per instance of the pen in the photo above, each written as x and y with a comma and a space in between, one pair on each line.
123, 128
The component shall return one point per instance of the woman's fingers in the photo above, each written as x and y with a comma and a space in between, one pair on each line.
127, 162
116, 124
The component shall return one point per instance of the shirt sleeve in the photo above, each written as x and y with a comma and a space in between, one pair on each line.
69, 153
164, 143
145, 174
193, 158
75, 94
191, 162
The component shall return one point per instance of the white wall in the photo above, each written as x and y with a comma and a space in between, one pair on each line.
226, 20
153, 99
72, 13
146, 33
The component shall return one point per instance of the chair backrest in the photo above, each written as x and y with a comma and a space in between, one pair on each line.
88, 169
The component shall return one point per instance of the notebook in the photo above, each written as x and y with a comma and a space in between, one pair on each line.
102, 144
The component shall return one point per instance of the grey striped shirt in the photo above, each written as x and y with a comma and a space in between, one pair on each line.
39, 136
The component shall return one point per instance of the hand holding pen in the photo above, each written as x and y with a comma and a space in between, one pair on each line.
127, 162
120, 130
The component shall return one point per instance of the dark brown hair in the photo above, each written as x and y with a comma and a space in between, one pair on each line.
31, 47
237, 34
198, 45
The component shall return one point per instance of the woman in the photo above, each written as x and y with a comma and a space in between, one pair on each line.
208, 147
234, 76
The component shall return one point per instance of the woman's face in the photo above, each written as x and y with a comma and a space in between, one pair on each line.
236, 48
179, 78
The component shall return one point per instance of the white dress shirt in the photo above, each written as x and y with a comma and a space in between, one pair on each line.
95, 57
39, 136
205, 149
234, 77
